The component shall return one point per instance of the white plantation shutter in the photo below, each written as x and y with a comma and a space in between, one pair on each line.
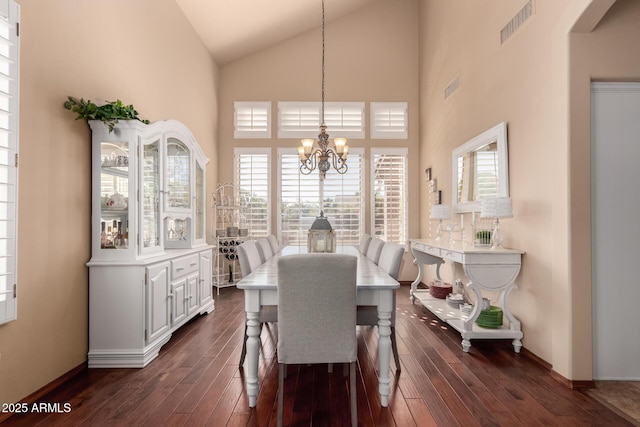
486, 179
253, 177
252, 119
481, 167
389, 194
9, 97
389, 120
302, 119
300, 199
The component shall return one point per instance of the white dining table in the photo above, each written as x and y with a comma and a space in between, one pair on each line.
374, 288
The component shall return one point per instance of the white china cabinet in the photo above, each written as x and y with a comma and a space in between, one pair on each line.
150, 269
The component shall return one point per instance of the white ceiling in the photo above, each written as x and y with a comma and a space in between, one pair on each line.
232, 29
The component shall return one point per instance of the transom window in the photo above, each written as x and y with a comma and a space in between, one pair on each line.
302, 119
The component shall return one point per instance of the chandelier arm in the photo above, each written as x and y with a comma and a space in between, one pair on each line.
339, 163
309, 165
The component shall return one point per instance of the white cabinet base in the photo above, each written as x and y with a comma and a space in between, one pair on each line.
134, 307
132, 358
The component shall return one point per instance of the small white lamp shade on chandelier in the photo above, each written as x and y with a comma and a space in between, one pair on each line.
440, 212
496, 208
323, 157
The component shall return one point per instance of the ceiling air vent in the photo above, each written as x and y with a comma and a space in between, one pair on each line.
452, 87
516, 22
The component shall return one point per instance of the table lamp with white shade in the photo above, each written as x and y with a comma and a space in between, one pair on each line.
496, 208
440, 212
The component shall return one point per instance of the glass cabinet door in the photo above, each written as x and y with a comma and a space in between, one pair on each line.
150, 197
178, 193
114, 195
200, 206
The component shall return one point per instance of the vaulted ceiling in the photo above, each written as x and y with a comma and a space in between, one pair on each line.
232, 29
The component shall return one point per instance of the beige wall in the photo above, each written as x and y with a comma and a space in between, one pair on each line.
371, 55
525, 83
143, 52
608, 53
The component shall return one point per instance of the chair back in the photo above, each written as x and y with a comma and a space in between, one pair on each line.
374, 249
264, 248
364, 244
391, 258
248, 256
317, 308
275, 246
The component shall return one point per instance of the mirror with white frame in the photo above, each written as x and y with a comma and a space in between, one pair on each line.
480, 169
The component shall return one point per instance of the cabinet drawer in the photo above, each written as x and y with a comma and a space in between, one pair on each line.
453, 256
183, 266
433, 251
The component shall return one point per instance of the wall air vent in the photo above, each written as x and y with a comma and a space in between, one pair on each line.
455, 84
517, 21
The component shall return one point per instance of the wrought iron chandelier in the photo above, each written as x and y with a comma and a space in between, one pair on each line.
323, 157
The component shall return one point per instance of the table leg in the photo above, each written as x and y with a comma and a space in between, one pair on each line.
415, 283
384, 347
253, 352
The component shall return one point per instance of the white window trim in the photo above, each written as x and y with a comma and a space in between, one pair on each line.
313, 129
251, 132
10, 11
378, 130
399, 151
257, 150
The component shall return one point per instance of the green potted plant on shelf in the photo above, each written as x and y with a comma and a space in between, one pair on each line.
109, 112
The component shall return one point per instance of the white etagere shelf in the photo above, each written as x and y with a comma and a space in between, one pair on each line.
230, 229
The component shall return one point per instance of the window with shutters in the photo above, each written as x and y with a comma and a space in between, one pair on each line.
252, 119
9, 97
389, 208
301, 197
302, 119
253, 176
389, 120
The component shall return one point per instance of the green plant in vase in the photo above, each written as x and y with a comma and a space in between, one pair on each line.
109, 112
483, 237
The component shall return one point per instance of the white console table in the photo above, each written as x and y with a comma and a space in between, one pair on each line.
487, 269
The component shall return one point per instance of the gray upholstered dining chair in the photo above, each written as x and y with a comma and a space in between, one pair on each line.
374, 249
390, 261
249, 258
275, 245
325, 332
264, 248
364, 243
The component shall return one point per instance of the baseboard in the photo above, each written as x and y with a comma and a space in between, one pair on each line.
572, 384
36, 395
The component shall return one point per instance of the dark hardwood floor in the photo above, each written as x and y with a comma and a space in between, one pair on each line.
196, 381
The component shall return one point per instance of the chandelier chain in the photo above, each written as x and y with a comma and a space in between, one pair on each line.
322, 108
323, 157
